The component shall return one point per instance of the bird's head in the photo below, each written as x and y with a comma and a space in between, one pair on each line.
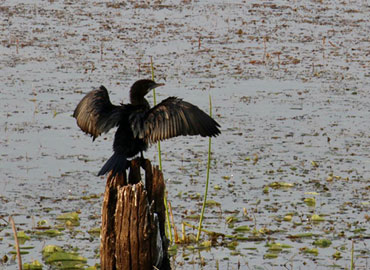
142, 87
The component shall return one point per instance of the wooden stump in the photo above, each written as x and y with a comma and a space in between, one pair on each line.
133, 218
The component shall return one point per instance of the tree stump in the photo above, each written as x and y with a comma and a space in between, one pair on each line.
133, 219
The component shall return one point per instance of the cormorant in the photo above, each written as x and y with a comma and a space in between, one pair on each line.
138, 124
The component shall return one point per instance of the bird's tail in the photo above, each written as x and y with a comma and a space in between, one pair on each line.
116, 164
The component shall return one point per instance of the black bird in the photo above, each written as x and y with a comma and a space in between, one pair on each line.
138, 124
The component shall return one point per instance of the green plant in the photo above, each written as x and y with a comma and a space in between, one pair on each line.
207, 180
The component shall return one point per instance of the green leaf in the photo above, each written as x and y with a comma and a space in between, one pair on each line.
310, 201
94, 231
322, 243
212, 203
301, 235
270, 255
49, 249
50, 232
281, 185
35, 265
244, 228
23, 235
317, 218
313, 251
64, 256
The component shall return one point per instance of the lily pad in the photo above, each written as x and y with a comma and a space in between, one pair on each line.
22, 235
50, 232
49, 249
281, 185
64, 256
94, 231
212, 203
313, 251
270, 255
70, 219
317, 218
322, 243
310, 201
35, 265
244, 228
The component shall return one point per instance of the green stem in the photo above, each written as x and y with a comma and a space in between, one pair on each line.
169, 229
207, 181
155, 103
352, 256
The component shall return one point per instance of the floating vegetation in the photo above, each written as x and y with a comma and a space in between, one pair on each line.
217, 187
35, 265
337, 255
58, 258
50, 232
313, 251
205, 245
22, 237
301, 235
314, 164
270, 255
232, 245
94, 231
310, 202
274, 249
211, 203
230, 220
92, 196
42, 225
288, 217
317, 218
70, 219
243, 228
277, 185
194, 216
172, 250
323, 243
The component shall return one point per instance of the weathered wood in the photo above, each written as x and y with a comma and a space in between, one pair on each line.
133, 225
129, 231
134, 175
145, 233
122, 228
155, 186
108, 235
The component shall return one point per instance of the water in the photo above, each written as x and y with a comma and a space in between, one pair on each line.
289, 83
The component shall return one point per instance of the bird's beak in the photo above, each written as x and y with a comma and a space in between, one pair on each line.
156, 85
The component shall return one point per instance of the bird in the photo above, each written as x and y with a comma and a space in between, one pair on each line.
138, 124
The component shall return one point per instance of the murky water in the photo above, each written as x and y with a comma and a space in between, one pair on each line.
289, 82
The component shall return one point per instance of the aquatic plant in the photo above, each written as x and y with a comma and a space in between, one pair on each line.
169, 230
207, 179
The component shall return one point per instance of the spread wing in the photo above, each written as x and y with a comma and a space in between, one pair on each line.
170, 118
95, 113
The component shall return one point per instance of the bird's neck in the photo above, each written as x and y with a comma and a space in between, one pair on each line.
139, 101
137, 97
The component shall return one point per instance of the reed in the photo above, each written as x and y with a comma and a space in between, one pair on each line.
155, 103
352, 255
11, 220
207, 181
175, 234
169, 229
